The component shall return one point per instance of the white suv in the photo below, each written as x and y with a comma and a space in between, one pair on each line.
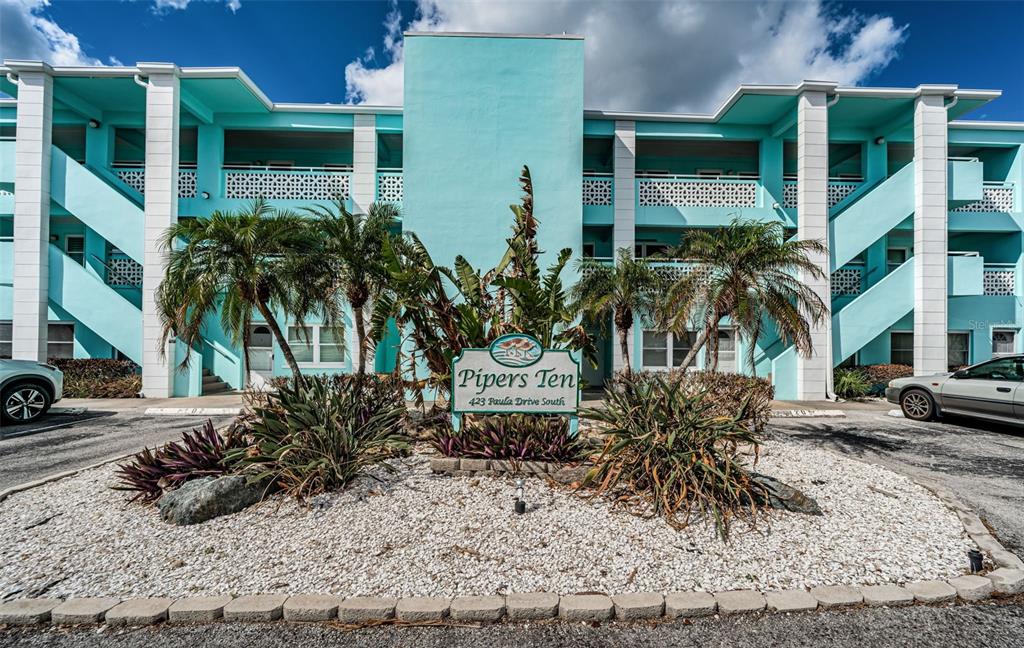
27, 389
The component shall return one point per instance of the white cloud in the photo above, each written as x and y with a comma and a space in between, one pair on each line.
659, 55
27, 33
164, 6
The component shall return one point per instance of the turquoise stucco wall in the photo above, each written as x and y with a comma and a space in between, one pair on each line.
476, 110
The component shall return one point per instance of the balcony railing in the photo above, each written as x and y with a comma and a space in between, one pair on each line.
847, 280
999, 279
696, 191
287, 183
838, 189
122, 270
996, 197
389, 185
134, 175
597, 189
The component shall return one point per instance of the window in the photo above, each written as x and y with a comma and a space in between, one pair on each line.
655, 350
60, 340
321, 345
958, 350
727, 350
656, 344
896, 256
6, 334
75, 247
645, 250
1003, 342
300, 339
901, 348
588, 250
1009, 369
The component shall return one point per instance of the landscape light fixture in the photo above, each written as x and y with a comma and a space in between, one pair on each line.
94, 123
976, 560
520, 504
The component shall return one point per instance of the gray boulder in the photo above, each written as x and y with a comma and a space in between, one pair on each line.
783, 496
203, 499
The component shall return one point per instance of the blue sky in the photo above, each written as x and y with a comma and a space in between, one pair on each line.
640, 56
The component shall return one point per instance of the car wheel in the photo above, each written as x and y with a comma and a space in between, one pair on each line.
917, 404
24, 402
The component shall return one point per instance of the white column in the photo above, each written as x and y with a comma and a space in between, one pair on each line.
930, 216
364, 162
32, 210
364, 192
161, 210
812, 373
624, 227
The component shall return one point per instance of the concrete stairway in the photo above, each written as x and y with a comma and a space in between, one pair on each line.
213, 384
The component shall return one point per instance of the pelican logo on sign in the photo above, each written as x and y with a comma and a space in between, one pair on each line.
516, 350
515, 374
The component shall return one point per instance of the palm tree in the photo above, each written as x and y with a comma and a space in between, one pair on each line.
626, 289
351, 261
233, 262
746, 271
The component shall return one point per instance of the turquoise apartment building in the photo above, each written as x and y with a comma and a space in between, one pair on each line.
921, 209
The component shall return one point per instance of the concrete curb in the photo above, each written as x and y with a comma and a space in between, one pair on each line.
193, 411
808, 413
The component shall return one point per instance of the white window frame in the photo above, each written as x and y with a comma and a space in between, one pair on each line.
911, 334
949, 334
1002, 354
670, 340
10, 340
69, 343
315, 343
892, 266
67, 241
735, 350
643, 248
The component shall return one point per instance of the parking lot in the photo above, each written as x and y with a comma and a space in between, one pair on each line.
60, 441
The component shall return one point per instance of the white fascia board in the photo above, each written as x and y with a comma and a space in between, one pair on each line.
987, 125
492, 35
345, 109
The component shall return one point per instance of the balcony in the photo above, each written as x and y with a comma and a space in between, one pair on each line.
999, 279
597, 189
134, 175
696, 191
996, 197
287, 183
838, 190
123, 271
389, 186
848, 280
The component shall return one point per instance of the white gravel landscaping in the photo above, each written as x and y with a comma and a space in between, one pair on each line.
426, 534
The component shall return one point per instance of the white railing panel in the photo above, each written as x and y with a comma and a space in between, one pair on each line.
284, 184
994, 199
846, 281
597, 191
679, 192
999, 281
389, 187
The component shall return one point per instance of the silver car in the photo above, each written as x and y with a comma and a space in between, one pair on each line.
27, 389
992, 390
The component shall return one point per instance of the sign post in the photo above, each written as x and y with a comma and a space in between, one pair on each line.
516, 375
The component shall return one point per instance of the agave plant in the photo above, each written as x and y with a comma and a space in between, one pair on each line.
673, 452
319, 435
200, 453
517, 437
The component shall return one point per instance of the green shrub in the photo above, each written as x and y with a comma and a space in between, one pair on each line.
725, 392
99, 378
878, 376
851, 383
520, 437
319, 436
675, 451
200, 453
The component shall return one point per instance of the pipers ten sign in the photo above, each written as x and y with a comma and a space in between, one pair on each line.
515, 374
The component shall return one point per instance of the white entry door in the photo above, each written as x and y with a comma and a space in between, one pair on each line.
261, 349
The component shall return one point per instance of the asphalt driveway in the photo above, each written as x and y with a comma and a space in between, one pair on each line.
60, 442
